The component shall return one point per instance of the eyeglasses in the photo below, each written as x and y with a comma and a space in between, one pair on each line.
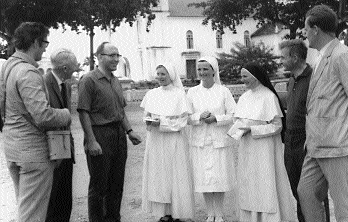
114, 56
45, 41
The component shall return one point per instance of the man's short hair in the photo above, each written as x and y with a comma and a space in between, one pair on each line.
323, 17
26, 34
100, 48
296, 47
61, 57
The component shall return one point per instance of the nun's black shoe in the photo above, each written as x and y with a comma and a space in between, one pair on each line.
167, 218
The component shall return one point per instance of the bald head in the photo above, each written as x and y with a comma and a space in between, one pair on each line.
108, 57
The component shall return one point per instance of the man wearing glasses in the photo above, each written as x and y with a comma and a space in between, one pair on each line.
27, 116
105, 125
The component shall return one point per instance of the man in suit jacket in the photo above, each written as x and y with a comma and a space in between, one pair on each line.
326, 163
59, 89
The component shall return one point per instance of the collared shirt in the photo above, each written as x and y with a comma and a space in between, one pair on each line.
296, 101
59, 81
321, 53
27, 109
102, 97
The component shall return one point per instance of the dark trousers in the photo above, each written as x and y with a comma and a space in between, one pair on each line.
60, 204
107, 174
293, 158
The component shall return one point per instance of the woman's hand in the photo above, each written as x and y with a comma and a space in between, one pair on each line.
246, 129
210, 119
204, 115
155, 123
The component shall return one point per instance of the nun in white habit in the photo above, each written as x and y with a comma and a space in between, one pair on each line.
212, 107
167, 190
264, 188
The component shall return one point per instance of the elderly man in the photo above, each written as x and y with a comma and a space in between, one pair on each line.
64, 64
105, 125
27, 116
326, 163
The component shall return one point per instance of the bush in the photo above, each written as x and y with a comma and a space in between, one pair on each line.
145, 84
230, 64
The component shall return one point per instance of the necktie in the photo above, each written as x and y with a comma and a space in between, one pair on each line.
64, 95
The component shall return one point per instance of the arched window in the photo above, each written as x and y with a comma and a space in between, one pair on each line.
189, 39
247, 38
218, 40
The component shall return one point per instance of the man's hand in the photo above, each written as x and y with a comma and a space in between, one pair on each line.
210, 119
93, 148
134, 138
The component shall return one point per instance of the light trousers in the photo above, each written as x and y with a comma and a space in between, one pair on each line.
33, 184
318, 176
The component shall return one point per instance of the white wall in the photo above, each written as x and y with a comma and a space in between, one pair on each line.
166, 41
141, 47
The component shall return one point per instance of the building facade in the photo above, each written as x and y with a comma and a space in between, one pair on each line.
177, 36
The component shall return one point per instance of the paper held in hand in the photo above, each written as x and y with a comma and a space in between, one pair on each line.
150, 119
239, 128
59, 144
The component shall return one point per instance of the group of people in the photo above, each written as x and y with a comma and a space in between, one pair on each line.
283, 156
189, 149
32, 104
189, 135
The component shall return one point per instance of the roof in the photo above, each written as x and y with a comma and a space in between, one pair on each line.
179, 8
268, 29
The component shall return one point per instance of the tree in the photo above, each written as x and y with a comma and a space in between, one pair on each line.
230, 13
75, 13
230, 64
104, 13
14, 12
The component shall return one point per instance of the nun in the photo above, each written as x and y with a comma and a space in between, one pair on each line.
167, 188
212, 107
263, 185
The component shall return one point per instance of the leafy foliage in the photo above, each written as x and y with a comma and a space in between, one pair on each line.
84, 14
102, 13
230, 64
230, 13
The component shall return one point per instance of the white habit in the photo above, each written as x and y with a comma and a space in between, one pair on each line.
264, 188
211, 151
167, 175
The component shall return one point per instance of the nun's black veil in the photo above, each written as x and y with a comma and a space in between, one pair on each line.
261, 75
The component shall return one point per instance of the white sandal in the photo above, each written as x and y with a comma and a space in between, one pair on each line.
210, 219
220, 219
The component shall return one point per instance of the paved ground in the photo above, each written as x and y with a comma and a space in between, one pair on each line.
131, 205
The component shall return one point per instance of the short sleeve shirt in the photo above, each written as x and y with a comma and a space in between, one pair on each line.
102, 97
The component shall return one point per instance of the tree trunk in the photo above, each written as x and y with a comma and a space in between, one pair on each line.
91, 56
293, 32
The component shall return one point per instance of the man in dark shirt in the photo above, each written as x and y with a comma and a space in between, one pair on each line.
105, 125
293, 58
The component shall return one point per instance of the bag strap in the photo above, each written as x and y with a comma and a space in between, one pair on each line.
6, 75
